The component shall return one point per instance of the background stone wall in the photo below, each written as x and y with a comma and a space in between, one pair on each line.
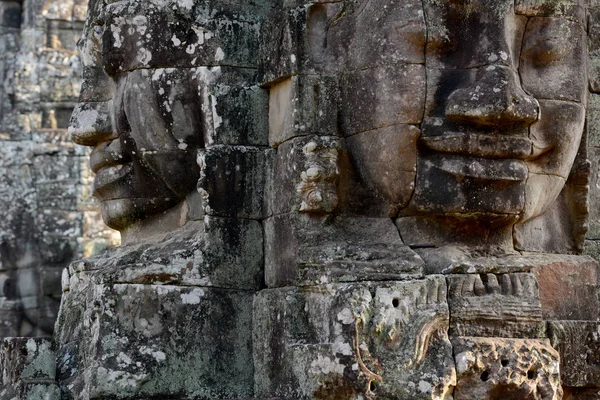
47, 214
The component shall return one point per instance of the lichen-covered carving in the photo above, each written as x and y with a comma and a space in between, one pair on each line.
318, 180
381, 340
477, 140
163, 81
365, 146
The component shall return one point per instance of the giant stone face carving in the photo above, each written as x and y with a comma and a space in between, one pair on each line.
470, 111
148, 125
412, 148
505, 109
461, 111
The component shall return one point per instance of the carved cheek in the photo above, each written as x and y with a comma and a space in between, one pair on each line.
162, 126
148, 111
381, 108
553, 70
386, 160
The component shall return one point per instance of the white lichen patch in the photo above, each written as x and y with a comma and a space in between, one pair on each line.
123, 360
219, 55
425, 387
325, 365
122, 379
463, 361
346, 316
31, 347
340, 346
157, 354
187, 4
192, 297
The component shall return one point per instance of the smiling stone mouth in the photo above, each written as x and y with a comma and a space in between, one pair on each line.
109, 175
481, 145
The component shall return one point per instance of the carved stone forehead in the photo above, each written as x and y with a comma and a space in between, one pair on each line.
467, 34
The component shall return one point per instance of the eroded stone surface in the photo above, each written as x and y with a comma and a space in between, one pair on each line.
305, 176
214, 252
462, 122
128, 340
28, 368
569, 289
488, 368
302, 105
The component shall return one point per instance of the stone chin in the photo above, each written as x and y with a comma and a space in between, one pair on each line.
456, 185
121, 214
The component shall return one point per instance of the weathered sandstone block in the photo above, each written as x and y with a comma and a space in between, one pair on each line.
308, 250
130, 340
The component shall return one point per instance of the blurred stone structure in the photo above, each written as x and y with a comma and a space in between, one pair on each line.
340, 199
49, 217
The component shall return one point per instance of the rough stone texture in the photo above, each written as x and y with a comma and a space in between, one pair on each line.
302, 105
594, 154
215, 252
233, 180
577, 343
569, 289
581, 394
491, 368
150, 341
306, 175
50, 217
594, 46
351, 341
28, 368
308, 250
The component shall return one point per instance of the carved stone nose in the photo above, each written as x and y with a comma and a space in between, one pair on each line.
495, 98
91, 123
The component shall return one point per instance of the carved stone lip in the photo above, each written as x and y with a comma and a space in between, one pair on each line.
102, 157
110, 176
482, 168
481, 145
